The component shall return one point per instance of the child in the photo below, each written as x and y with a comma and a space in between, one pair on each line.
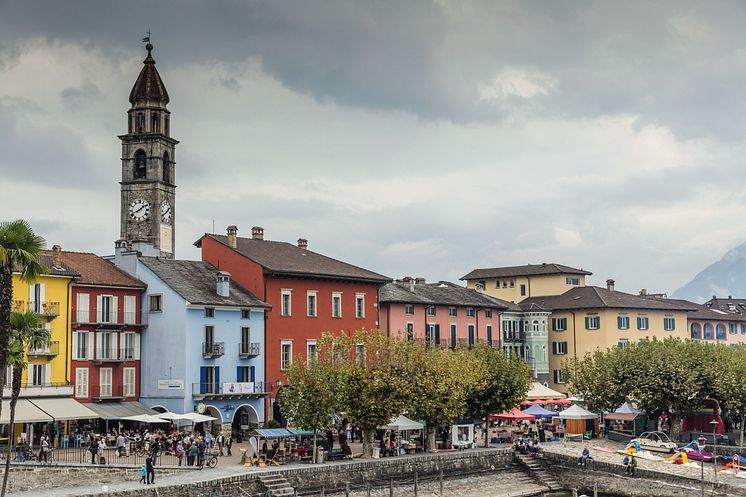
143, 472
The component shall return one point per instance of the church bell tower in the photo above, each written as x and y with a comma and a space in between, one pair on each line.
148, 186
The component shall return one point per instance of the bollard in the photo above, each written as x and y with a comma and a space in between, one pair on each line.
415, 483
322, 490
595, 489
367, 485
347, 489
391, 487
574, 492
295, 492
440, 478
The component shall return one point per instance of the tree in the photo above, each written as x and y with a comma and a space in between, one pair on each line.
27, 332
310, 398
730, 380
505, 383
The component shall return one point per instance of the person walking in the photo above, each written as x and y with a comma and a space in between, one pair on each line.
229, 443
102, 450
201, 447
143, 473
44, 448
191, 454
92, 448
150, 470
220, 441
120, 445
208, 439
179, 452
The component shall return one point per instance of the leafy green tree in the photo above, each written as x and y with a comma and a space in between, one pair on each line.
27, 332
730, 380
504, 384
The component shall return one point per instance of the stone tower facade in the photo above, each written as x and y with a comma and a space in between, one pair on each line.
148, 186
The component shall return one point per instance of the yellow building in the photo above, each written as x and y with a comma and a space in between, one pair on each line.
517, 283
588, 318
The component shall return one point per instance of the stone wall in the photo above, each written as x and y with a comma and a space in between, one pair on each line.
611, 479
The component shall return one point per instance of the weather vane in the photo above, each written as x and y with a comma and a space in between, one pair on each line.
147, 38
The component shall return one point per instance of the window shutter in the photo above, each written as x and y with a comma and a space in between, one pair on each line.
98, 308
673, 324
115, 310
437, 334
31, 296
83, 308
587, 325
202, 379
239, 376
47, 374
217, 376
75, 346
554, 324
136, 346
252, 372
129, 310
99, 341
42, 294
89, 345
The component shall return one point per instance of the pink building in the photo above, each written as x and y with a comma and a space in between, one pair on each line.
722, 320
443, 313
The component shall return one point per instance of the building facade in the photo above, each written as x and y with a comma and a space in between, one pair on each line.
309, 294
443, 314
204, 348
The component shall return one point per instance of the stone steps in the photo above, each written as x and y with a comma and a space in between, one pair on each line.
540, 474
276, 485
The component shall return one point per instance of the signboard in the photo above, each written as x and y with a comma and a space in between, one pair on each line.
170, 384
238, 387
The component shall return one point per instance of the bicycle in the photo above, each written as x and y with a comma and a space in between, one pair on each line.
210, 460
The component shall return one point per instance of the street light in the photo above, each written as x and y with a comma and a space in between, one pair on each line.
700, 446
714, 424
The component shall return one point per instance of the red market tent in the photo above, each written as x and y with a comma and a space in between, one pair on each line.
514, 414
527, 402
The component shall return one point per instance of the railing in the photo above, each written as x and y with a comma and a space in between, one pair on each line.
106, 355
123, 318
516, 336
46, 308
127, 354
100, 392
51, 350
213, 349
234, 388
246, 349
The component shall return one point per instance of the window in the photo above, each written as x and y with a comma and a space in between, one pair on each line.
165, 125
452, 312
489, 335
733, 328
36, 297
82, 345
166, 168
155, 120
453, 336
559, 324
512, 283
243, 374
336, 305
154, 303
592, 322
127, 346
106, 309
129, 382
696, 331
642, 323
410, 332
743, 328
559, 378
104, 382
209, 336
559, 348
140, 122
209, 312
429, 333
669, 324
209, 379
360, 305
40, 374
572, 281
140, 165
622, 322
245, 339
130, 312
286, 355
720, 331
311, 307
409, 309
488, 313
81, 383
470, 329
430, 310
523, 290
82, 308
709, 332
245, 313
469, 312
311, 352
623, 343
285, 302
360, 355
105, 345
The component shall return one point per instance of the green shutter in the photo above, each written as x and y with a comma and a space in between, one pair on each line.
587, 323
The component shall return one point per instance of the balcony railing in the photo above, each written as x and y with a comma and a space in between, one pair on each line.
104, 392
246, 349
213, 349
43, 308
233, 389
45, 389
114, 355
122, 318
51, 350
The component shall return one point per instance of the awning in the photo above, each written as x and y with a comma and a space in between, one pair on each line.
402, 423
26, 412
514, 414
64, 408
539, 391
119, 410
272, 433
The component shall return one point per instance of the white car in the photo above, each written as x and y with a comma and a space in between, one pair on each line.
656, 441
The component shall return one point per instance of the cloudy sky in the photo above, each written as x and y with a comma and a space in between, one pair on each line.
420, 138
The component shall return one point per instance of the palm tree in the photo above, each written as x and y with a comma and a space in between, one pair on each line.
28, 332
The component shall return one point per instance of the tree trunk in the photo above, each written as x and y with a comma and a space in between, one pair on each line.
740, 429
368, 442
6, 299
15, 393
314, 460
486, 432
430, 445
675, 430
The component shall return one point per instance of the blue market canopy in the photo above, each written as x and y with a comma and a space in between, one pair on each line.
539, 412
272, 433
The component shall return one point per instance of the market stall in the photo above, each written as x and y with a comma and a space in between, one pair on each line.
578, 421
627, 420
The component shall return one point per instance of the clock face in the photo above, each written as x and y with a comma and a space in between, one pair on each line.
165, 211
139, 209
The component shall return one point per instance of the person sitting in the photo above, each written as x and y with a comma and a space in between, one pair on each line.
583, 459
346, 450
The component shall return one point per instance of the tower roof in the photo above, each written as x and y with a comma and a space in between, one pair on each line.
149, 85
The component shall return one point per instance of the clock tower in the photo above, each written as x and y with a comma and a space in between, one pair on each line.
148, 210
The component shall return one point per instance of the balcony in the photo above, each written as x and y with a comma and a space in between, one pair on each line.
246, 349
111, 355
211, 350
51, 350
108, 392
46, 308
234, 390
121, 319
51, 389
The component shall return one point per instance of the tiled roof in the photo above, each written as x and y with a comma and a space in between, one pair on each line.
45, 259
441, 293
284, 258
94, 270
526, 270
593, 297
149, 85
196, 282
729, 305
701, 311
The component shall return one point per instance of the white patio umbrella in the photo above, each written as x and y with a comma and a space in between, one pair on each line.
170, 416
197, 418
146, 418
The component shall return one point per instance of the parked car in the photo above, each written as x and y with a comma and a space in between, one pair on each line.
656, 441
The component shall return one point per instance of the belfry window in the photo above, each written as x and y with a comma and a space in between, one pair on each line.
166, 168
165, 125
140, 165
156, 122
140, 122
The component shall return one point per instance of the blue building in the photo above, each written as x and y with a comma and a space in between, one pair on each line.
203, 348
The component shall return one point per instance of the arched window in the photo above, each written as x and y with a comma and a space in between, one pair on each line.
696, 331
140, 165
708, 332
536, 326
140, 122
156, 121
165, 125
720, 331
166, 168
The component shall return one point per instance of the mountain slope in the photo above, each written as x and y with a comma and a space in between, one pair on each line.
722, 278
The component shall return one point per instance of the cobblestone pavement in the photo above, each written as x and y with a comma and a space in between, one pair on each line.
690, 470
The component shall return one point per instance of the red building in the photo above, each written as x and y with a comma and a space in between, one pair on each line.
309, 294
106, 323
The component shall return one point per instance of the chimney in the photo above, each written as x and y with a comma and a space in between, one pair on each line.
56, 256
419, 281
302, 243
257, 233
409, 281
610, 285
644, 292
232, 231
224, 281
730, 297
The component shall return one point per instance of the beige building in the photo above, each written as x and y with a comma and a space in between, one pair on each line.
517, 283
587, 318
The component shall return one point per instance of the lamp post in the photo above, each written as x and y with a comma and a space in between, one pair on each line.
714, 424
700, 446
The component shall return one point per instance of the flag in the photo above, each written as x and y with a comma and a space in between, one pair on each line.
146, 39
